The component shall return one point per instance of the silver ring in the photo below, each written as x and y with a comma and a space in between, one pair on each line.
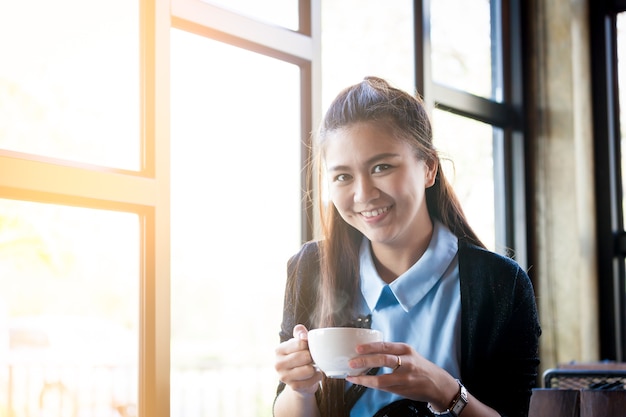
398, 363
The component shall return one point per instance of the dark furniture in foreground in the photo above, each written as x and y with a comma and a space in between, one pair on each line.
581, 390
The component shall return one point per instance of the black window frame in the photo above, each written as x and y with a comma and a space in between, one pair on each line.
510, 165
611, 236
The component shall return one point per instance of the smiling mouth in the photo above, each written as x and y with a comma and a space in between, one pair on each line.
376, 212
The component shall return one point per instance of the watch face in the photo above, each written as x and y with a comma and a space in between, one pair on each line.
460, 402
459, 406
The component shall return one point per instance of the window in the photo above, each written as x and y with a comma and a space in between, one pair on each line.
469, 71
75, 204
235, 220
462, 57
75, 94
69, 309
150, 185
466, 147
350, 51
608, 47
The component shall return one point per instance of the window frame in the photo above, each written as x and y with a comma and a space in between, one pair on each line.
507, 114
146, 193
611, 236
300, 48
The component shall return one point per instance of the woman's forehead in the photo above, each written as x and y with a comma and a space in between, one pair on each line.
362, 144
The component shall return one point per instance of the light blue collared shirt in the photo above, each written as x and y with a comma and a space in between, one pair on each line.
422, 307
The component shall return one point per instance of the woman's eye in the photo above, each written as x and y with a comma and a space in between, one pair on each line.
381, 168
342, 177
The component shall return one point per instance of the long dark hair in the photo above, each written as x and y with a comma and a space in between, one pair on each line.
372, 100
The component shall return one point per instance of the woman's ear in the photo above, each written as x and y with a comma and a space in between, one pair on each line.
431, 173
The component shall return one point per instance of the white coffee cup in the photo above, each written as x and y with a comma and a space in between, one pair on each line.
332, 348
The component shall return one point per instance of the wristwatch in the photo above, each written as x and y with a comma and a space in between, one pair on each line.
457, 405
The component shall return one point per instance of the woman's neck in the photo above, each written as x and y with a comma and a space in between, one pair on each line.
393, 261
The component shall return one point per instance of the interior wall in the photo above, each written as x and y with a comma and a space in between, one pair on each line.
563, 204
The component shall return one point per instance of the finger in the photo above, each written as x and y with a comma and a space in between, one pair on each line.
376, 361
370, 361
291, 364
297, 343
379, 347
293, 353
385, 382
305, 373
300, 332
388, 348
397, 363
291, 346
309, 385
297, 367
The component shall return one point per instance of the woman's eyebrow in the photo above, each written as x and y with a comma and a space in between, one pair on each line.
370, 161
382, 156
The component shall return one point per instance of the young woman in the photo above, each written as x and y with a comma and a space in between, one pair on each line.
397, 254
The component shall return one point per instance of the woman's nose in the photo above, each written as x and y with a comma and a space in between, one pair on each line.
365, 190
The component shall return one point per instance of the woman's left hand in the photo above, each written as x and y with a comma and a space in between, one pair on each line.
412, 375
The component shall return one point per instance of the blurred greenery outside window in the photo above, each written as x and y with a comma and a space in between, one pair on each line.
68, 309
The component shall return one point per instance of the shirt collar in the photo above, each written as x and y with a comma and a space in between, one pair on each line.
410, 287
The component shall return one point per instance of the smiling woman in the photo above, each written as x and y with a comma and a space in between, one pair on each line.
397, 249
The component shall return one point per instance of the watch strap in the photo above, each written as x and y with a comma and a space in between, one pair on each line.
456, 406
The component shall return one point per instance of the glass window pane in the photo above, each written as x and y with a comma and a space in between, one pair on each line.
466, 150
363, 37
236, 216
69, 288
280, 12
69, 80
461, 46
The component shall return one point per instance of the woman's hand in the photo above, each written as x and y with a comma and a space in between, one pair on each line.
294, 364
412, 375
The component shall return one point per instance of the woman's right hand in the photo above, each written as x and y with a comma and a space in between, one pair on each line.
294, 364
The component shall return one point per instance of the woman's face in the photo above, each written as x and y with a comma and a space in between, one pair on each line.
378, 184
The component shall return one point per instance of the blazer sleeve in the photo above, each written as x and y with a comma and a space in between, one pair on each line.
500, 331
300, 292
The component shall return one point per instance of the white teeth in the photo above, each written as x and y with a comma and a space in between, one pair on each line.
376, 212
